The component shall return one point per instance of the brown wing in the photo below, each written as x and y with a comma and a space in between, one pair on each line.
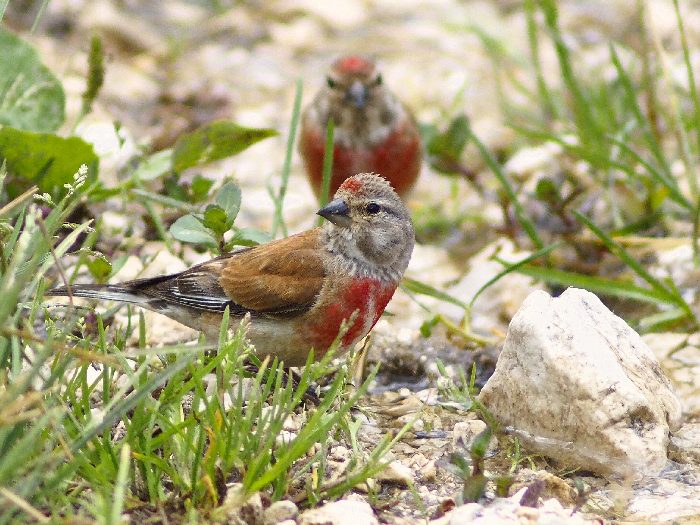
278, 278
284, 276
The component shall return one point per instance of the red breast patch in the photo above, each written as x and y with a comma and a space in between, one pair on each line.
357, 298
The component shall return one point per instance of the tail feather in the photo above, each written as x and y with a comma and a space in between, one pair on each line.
99, 291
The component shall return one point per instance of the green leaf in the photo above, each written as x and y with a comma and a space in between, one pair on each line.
524, 221
461, 463
31, 97
215, 141
100, 268
481, 443
547, 191
215, 219
43, 159
190, 229
229, 199
249, 237
164, 200
474, 488
200, 188
450, 144
96, 74
445, 148
155, 165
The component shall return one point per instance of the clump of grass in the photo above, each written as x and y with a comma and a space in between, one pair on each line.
613, 129
91, 427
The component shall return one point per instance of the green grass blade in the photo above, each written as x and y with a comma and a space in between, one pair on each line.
327, 167
601, 285
581, 107
671, 296
513, 267
692, 87
520, 214
422, 288
278, 220
545, 96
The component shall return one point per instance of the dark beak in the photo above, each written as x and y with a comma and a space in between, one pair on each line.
357, 94
337, 212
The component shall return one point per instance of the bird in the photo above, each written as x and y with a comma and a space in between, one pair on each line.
373, 130
299, 290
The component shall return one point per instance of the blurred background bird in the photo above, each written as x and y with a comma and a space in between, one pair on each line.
373, 130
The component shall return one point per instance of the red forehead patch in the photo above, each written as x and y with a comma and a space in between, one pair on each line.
352, 185
353, 64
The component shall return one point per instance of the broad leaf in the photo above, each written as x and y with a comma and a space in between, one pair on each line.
43, 159
200, 187
215, 141
229, 198
31, 97
249, 237
449, 145
155, 165
190, 229
215, 219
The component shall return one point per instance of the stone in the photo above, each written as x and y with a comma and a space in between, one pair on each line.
342, 512
240, 508
543, 485
576, 384
665, 501
397, 473
279, 512
685, 444
509, 511
464, 432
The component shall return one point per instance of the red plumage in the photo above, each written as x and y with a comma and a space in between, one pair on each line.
374, 131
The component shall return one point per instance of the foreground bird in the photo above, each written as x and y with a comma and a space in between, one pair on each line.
297, 290
373, 130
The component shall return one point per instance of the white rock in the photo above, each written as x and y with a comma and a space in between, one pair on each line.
429, 472
685, 444
694, 339
279, 512
579, 385
508, 511
464, 432
665, 501
240, 508
678, 264
342, 512
396, 472
284, 438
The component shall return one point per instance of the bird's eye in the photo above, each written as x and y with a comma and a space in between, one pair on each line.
378, 81
331, 83
373, 208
